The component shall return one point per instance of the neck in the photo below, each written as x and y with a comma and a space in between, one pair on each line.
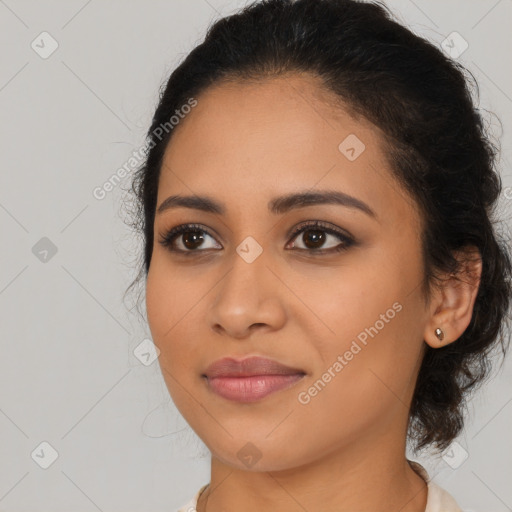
361, 475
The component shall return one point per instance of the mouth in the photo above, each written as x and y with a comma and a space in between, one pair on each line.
250, 379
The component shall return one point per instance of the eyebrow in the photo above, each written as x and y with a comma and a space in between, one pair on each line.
277, 206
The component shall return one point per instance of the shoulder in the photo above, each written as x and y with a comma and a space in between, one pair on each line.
191, 505
438, 499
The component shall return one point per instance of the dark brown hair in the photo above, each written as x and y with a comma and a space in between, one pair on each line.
437, 146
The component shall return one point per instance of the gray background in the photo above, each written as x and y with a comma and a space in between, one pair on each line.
68, 372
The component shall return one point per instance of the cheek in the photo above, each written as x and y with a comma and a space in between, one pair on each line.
366, 379
173, 300
370, 352
167, 300
166, 312
350, 300
167, 319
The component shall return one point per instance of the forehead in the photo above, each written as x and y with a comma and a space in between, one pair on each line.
270, 116
251, 140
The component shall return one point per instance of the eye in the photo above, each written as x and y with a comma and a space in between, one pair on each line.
193, 236
315, 234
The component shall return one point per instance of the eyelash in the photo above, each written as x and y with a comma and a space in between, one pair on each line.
169, 237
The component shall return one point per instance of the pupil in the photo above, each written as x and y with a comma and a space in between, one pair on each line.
317, 237
313, 238
195, 236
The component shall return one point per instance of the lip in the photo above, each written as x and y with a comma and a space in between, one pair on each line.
250, 379
248, 367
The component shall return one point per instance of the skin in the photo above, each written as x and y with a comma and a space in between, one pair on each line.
243, 144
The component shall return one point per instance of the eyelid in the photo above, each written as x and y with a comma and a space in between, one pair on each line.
328, 227
346, 239
179, 229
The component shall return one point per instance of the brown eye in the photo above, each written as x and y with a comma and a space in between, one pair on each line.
314, 236
190, 237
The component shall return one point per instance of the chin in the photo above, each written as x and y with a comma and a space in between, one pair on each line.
246, 455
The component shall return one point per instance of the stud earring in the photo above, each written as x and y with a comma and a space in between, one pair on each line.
439, 334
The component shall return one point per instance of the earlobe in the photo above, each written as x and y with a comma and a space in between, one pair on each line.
436, 338
454, 301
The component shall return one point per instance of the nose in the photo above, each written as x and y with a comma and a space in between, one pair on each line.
247, 299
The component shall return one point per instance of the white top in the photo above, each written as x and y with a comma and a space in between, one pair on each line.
438, 500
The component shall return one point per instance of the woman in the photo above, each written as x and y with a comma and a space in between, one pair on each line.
323, 279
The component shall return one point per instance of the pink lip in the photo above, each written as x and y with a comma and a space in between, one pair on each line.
250, 379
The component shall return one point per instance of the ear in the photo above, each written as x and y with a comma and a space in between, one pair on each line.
451, 307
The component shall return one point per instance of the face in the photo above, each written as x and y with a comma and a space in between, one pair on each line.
339, 301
